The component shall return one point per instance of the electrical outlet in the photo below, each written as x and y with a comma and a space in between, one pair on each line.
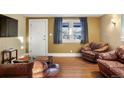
50, 34
71, 51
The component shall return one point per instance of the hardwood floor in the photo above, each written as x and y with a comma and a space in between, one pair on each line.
71, 67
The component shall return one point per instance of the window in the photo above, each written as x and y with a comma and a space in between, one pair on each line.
71, 31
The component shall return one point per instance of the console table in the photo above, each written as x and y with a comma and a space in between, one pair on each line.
10, 56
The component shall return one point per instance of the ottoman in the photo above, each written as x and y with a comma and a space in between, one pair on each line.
52, 70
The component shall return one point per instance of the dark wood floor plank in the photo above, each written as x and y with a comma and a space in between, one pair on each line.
74, 67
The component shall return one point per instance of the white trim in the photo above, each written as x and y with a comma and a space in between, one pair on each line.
63, 15
46, 36
71, 41
65, 54
122, 38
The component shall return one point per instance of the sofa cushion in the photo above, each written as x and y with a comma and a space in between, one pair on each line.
95, 45
110, 64
121, 60
118, 71
120, 53
108, 56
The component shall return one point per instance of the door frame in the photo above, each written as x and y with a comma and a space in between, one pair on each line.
46, 43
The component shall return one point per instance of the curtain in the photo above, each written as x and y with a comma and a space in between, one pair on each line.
84, 30
58, 30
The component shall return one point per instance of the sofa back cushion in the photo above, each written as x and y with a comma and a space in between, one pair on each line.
108, 56
94, 45
120, 53
101, 44
103, 49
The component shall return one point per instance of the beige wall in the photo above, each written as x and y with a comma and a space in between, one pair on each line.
93, 31
109, 32
14, 42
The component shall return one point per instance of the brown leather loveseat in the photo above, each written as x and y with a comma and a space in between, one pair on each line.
111, 64
23, 70
90, 50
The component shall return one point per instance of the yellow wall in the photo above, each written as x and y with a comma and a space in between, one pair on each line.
109, 32
93, 31
14, 42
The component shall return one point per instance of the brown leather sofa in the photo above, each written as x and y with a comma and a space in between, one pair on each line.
91, 50
23, 70
111, 64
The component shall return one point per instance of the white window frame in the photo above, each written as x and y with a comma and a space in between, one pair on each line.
71, 22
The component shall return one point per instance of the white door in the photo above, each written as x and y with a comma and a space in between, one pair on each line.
38, 37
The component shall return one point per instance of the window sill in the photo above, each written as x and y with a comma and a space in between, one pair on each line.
122, 38
72, 41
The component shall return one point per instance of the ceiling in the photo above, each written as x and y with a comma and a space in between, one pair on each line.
62, 15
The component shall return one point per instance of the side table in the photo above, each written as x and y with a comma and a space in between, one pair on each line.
10, 57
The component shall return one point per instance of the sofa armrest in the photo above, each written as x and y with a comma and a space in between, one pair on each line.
103, 49
86, 46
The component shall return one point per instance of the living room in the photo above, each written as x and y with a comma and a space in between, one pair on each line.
61, 46
98, 28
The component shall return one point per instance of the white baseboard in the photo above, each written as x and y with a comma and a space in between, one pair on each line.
65, 54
